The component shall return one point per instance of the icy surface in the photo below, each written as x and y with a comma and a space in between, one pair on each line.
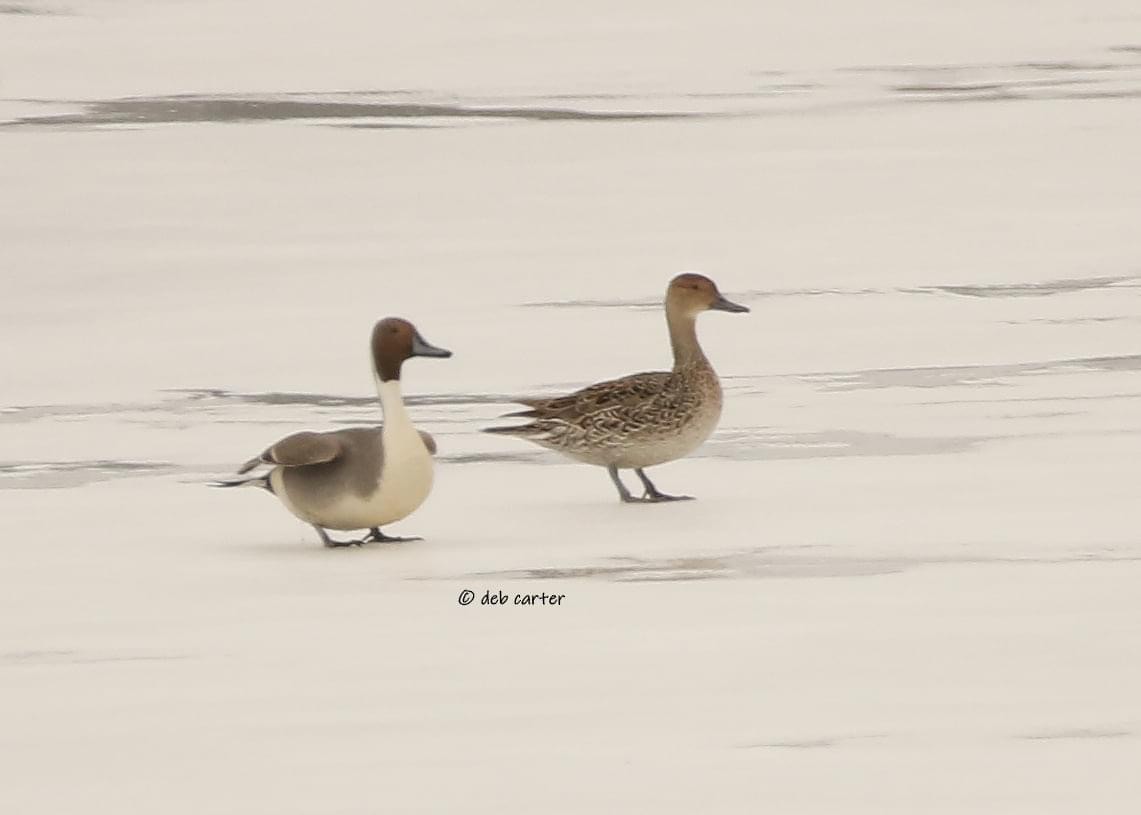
910, 582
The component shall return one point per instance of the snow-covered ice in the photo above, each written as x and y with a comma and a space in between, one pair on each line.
910, 582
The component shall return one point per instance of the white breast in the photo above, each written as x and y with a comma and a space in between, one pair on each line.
406, 479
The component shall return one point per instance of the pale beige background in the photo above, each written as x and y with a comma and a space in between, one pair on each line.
910, 583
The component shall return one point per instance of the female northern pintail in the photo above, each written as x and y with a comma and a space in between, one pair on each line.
360, 478
645, 419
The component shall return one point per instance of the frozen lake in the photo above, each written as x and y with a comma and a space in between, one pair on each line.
910, 582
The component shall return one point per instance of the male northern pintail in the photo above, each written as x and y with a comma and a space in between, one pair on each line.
645, 419
360, 478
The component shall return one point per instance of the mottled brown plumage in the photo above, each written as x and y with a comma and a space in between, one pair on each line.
635, 421
644, 419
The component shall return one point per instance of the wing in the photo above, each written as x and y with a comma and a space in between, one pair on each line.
429, 442
630, 394
610, 414
299, 450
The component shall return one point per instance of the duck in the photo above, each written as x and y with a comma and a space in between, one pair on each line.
361, 477
644, 419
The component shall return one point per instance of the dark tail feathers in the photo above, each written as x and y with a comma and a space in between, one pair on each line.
260, 481
254, 463
506, 431
518, 429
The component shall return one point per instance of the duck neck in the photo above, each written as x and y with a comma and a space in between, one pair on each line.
392, 404
683, 339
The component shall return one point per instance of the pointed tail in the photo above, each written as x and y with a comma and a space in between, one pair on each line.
254, 463
261, 481
521, 430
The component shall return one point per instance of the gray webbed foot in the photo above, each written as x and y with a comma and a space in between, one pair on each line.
330, 543
636, 499
661, 497
376, 536
653, 495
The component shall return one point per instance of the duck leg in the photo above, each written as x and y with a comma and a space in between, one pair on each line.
334, 544
652, 495
623, 493
376, 536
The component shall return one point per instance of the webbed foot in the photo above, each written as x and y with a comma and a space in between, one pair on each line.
330, 543
653, 495
376, 536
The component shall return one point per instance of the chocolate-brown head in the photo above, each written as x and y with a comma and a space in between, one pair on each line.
395, 340
692, 294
